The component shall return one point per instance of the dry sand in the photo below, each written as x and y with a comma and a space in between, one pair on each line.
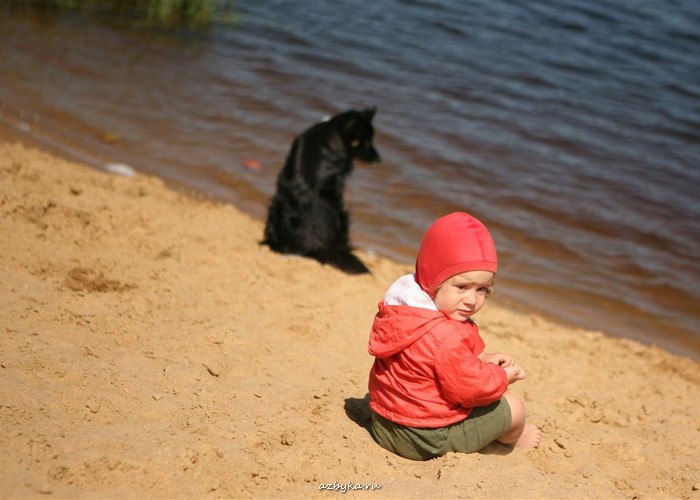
150, 348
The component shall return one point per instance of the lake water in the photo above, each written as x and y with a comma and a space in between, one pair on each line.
571, 128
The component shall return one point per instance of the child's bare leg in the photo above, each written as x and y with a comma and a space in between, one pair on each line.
520, 434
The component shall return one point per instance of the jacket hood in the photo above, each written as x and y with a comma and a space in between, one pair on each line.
398, 326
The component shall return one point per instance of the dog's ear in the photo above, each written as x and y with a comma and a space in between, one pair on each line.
351, 118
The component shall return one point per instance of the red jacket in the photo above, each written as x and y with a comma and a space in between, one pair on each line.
426, 373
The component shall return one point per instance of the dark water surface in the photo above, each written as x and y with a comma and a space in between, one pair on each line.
571, 128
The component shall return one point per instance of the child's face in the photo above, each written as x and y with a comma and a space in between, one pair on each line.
463, 295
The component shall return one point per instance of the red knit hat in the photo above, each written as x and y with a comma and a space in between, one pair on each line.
454, 244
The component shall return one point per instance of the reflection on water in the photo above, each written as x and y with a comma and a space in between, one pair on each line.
572, 129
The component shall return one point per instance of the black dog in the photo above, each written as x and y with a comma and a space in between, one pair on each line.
307, 215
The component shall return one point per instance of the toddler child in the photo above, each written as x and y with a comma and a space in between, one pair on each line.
432, 387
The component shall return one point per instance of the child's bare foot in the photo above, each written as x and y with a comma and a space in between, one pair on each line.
530, 438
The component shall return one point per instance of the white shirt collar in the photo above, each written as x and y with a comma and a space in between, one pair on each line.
405, 291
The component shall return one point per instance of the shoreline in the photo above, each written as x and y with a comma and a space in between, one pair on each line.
686, 347
152, 349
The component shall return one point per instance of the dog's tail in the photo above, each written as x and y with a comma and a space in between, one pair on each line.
345, 261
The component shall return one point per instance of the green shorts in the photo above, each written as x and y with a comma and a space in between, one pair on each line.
484, 425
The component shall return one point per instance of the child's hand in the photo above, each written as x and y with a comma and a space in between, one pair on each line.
497, 358
514, 373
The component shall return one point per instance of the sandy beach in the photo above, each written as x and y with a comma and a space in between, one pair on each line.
151, 348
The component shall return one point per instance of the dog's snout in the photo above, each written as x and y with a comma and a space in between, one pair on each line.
370, 155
